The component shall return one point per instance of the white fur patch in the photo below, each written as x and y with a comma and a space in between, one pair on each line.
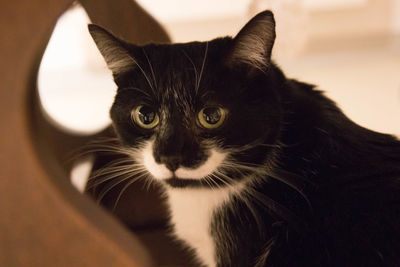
159, 171
192, 210
211, 164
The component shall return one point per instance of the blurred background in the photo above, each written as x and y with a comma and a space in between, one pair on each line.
349, 48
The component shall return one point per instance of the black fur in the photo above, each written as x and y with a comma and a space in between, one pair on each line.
327, 191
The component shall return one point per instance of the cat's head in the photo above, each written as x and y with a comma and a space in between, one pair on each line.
200, 113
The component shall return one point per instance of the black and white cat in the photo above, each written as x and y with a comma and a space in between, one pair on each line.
259, 170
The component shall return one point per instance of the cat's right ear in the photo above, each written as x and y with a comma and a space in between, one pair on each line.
112, 49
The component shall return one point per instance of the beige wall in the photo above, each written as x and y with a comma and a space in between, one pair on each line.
374, 18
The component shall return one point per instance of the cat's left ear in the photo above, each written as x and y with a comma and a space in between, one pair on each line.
113, 50
252, 46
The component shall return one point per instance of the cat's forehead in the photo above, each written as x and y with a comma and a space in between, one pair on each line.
178, 73
195, 48
185, 56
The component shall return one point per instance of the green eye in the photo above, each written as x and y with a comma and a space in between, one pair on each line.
211, 117
146, 117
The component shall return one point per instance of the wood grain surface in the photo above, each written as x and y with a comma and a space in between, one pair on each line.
43, 220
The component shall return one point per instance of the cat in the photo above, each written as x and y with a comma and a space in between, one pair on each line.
258, 169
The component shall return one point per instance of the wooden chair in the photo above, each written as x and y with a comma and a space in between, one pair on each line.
44, 221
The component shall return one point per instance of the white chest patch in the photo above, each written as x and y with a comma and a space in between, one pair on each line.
192, 208
191, 213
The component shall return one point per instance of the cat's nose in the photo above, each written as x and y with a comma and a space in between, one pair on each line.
172, 163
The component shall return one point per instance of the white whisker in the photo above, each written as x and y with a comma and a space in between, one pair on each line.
135, 89
120, 179
151, 68
146, 77
202, 68
136, 178
109, 168
196, 74
101, 180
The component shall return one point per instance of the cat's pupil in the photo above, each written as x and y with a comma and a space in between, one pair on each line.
212, 115
146, 115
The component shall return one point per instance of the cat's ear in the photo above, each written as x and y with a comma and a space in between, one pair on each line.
112, 49
252, 46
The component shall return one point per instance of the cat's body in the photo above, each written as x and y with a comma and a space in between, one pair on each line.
258, 169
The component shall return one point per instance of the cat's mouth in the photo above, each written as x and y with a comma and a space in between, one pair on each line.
182, 176
183, 182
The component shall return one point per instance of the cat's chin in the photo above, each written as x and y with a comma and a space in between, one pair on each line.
177, 182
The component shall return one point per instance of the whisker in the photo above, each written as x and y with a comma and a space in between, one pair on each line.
86, 150
146, 77
202, 68
135, 89
108, 178
262, 260
116, 163
217, 175
114, 173
148, 182
249, 194
295, 182
116, 167
194, 67
207, 180
243, 166
151, 67
105, 149
125, 187
281, 211
121, 178
257, 143
244, 198
117, 181
110, 172
214, 182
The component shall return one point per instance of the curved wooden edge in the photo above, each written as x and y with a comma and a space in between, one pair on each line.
44, 221
115, 16
127, 20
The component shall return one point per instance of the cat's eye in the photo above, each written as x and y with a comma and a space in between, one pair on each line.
146, 117
211, 117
